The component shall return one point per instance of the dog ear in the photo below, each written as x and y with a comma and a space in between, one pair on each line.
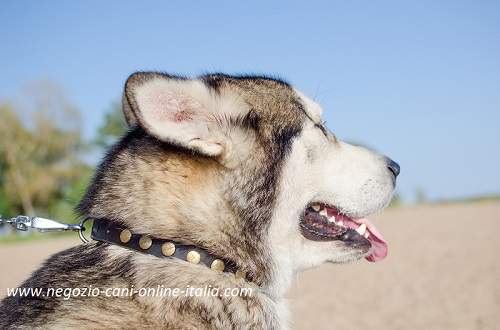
128, 112
173, 109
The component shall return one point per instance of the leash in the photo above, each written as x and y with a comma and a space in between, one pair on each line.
23, 223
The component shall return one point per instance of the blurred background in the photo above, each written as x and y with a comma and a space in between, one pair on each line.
418, 81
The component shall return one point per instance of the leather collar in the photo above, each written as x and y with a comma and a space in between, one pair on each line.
106, 231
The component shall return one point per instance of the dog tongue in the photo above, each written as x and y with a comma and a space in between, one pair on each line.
379, 246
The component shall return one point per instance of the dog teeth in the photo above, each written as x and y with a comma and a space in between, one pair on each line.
324, 213
331, 219
340, 223
316, 208
367, 234
361, 229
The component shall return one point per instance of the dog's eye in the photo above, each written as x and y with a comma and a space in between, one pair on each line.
322, 128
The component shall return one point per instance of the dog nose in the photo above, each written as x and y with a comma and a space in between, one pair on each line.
393, 166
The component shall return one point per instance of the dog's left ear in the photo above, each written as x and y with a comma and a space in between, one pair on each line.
177, 110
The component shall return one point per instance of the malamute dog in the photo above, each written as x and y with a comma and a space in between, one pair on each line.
223, 189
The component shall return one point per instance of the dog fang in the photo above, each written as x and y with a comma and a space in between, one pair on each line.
361, 229
316, 208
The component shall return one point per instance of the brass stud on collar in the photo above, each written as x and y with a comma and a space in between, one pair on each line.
145, 242
240, 274
193, 257
125, 236
217, 264
168, 249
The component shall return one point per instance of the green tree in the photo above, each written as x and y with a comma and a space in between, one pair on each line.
40, 148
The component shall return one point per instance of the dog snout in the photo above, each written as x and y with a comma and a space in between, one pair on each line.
393, 166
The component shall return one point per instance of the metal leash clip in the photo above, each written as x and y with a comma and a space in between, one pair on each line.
22, 222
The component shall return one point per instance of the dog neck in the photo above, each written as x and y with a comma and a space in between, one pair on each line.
108, 232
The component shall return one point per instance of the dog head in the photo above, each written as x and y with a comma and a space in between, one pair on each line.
244, 168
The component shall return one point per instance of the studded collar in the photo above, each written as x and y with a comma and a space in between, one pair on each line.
106, 231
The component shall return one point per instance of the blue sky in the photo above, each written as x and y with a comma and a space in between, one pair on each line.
416, 80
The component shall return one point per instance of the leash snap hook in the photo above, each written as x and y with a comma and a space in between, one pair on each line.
22, 222
47, 226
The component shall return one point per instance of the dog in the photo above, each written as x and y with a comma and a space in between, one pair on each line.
221, 183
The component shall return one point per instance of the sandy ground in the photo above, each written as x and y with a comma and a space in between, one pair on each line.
442, 272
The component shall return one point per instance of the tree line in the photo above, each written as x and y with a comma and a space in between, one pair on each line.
43, 170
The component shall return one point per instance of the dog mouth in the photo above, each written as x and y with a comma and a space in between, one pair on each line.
324, 223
